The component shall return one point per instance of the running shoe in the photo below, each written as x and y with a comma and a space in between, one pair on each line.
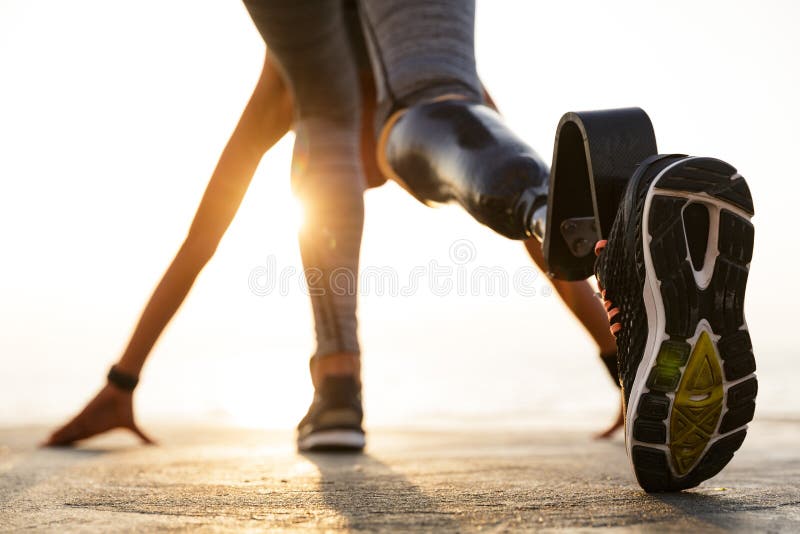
333, 422
673, 273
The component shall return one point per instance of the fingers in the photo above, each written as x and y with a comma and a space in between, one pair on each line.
72, 432
66, 435
55, 439
142, 436
610, 431
109, 409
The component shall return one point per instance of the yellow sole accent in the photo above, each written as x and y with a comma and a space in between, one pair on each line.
697, 406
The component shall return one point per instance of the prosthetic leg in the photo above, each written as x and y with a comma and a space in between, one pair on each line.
457, 150
453, 149
673, 240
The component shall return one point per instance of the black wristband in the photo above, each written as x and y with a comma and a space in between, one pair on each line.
123, 381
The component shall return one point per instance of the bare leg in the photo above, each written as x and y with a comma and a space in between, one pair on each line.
337, 364
580, 299
264, 121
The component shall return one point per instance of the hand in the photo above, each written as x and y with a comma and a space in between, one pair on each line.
616, 425
111, 408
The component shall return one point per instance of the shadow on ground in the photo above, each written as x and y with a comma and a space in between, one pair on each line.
371, 495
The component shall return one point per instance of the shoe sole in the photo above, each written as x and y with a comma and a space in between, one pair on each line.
332, 440
695, 386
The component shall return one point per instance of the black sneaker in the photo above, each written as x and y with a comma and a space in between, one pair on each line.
333, 421
673, 274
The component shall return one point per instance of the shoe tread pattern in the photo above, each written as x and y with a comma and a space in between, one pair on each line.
721, 304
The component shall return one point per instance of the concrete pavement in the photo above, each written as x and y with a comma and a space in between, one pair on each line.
217, 479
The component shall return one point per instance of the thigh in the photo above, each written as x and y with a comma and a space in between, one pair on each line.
310, 40
421, 50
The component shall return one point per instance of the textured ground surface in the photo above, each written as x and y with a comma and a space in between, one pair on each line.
220, 479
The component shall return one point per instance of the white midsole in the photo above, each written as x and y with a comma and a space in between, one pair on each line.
656, 316
332, 438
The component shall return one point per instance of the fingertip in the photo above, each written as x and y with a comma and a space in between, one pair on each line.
52, 440
604, 435
146, 440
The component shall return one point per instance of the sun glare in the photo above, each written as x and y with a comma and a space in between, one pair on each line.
295, 214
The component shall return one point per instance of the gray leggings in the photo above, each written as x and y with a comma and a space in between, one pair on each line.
419, 50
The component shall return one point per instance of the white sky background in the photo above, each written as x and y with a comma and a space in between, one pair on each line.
112, 119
